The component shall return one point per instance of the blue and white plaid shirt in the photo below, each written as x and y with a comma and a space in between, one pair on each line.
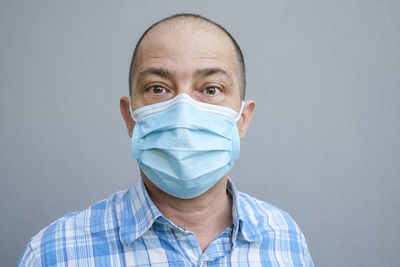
127, 229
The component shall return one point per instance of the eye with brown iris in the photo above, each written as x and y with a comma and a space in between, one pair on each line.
211, 90
157, 89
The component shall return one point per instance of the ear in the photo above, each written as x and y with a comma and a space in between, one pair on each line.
246, 117
126, 114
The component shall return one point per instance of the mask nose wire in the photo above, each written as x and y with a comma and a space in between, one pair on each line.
133, 117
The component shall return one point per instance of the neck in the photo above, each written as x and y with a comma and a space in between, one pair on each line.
207, 215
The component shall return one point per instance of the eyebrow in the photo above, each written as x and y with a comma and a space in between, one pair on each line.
167, 74
162, 72
211, 71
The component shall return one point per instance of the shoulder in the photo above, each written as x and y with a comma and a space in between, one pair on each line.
275, 229
76, 227
87, 221
265, 215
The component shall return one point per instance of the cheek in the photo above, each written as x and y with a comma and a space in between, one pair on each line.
217, 99
137, 101
152, 99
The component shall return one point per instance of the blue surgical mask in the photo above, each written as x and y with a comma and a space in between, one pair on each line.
185, 146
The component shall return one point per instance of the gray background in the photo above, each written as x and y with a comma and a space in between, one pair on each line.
324, 143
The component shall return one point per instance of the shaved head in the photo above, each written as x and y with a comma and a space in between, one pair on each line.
196, 21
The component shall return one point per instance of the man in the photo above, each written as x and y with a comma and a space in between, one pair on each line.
186, 115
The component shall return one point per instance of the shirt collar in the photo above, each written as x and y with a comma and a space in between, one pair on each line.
139, 214
245, 226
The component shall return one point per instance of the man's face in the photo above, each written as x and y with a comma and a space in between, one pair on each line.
197, 60
192, 59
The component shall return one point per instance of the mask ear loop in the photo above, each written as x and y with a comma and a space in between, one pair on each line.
240, 112
130, 109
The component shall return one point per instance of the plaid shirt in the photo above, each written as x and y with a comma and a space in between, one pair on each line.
127, 229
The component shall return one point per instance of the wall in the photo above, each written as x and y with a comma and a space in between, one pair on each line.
324, 144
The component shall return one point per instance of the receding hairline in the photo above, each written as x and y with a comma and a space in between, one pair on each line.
192, 19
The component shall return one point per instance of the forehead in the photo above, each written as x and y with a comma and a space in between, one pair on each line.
186, 44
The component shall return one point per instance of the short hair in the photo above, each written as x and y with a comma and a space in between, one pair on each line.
193, 18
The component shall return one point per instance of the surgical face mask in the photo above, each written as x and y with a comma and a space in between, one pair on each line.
185, 146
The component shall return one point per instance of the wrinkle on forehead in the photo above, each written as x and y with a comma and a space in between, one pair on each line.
175, 26
182, 48
183, 38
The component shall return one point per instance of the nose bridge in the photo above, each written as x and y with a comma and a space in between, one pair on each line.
185, 86
185, 81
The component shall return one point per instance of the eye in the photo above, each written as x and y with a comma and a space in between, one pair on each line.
156, 89
211, 91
